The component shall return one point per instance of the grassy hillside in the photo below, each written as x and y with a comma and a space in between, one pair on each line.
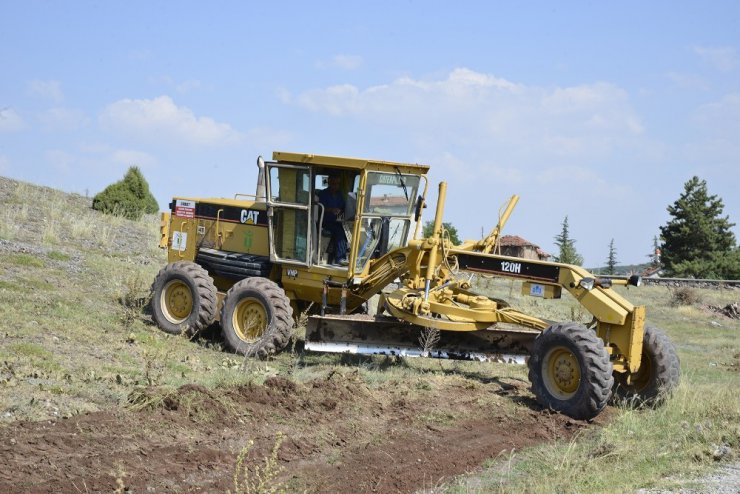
73, 283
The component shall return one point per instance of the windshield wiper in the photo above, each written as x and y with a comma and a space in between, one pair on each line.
403, 184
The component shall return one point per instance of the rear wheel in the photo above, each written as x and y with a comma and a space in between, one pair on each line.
658, 374
183, 298
256, 318
570, 371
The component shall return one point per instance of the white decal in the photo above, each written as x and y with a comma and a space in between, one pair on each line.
201, 230
292, 273
511, 267
537, 290
249, 217
389, 179
179, 241
184, 209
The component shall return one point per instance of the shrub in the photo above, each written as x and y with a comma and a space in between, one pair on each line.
684, 295
129, 197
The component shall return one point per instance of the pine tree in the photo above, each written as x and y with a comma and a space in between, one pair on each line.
611, 261
129, 197
429, 225
566, 247
697, 240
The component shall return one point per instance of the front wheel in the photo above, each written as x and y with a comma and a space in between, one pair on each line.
183, 298
256, 318
658, 374
570, 371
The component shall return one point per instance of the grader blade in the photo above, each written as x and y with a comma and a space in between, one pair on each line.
382, 335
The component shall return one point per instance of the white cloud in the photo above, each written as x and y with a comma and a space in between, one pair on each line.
723, 58
10, 121
722, 113
130, 157
96, 159
688, 81
160, 118
188, 86
102, 153
478, 109
717, 128
461, 89
51, 90
345, 62
63, 119
94, 147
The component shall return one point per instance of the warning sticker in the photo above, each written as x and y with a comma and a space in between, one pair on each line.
536, 290
185, 209
179, 241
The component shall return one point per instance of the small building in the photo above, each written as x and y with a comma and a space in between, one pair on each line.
652, 272
516, 246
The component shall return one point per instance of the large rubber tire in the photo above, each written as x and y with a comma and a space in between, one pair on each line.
183, 298
256, 318
659, 372
570, 371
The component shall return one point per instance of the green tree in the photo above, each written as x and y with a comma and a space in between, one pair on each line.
566, 247
129, 197
698, 240
429, 226
611, 260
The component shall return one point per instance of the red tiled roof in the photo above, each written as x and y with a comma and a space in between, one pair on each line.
515, 241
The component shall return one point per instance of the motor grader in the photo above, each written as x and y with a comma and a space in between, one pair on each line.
255, 262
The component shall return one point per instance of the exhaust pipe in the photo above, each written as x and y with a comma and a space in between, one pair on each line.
261, 193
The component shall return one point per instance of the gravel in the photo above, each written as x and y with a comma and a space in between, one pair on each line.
724, 480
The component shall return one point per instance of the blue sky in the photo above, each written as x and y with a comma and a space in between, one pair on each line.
595, 110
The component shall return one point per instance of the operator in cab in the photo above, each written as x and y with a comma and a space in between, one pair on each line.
333, 201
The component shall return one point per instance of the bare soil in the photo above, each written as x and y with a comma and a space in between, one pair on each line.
339, 434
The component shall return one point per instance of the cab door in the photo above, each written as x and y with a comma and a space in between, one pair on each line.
288, 211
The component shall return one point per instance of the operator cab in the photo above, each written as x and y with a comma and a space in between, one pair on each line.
338, 213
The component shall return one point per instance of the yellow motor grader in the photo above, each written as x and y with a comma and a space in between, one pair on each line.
255, 262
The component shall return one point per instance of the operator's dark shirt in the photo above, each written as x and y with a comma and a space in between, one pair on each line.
331, 201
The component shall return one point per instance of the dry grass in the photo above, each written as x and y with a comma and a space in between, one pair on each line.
652, 448
255, 477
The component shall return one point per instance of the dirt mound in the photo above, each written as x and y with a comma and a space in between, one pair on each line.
338, 433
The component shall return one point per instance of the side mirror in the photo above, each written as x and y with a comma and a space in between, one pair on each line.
419, 205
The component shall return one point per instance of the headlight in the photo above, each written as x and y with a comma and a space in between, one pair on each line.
635, 280
586, 283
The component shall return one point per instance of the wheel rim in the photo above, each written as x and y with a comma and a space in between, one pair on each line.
249, 320
176, 301
561, 373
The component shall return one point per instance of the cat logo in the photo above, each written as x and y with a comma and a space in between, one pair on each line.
249, 217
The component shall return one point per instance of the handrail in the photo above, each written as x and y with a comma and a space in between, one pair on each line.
219, 234
318, 233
